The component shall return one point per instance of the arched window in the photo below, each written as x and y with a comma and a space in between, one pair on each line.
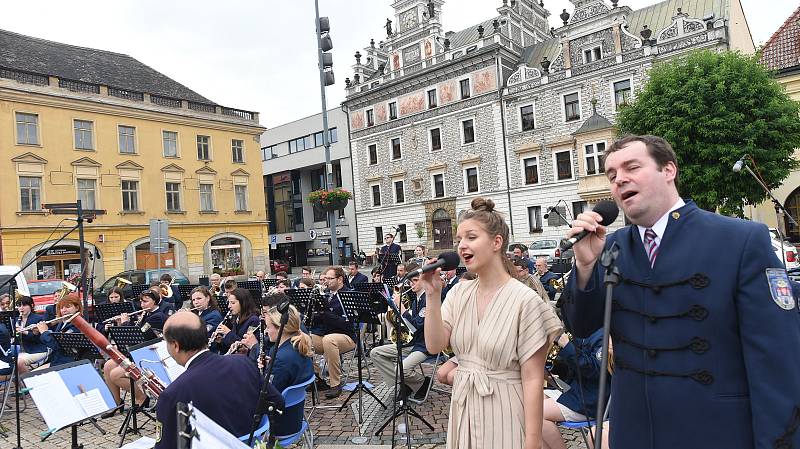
793, 206
226, 256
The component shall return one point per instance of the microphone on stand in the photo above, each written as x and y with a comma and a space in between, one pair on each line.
737, 167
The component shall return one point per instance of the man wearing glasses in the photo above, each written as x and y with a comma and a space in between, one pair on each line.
389, 256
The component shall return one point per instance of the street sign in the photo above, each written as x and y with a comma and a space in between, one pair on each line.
312, 234
159, 236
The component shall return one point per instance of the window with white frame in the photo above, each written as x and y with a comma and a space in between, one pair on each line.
435, 140
594, 157
534, 218
333, 135
173, 190
84, 139
130, 195
319, 139
237, 151
530, 170
397, 153
170, 143
240, 194
622, 93
30, 193
393, 110
592, 54
127, 139
526, 118
27, 128
464, 86
399, 192
375, 190
563, 165
203, 148
572, 107
471, 184
206, 197
370, 117
432, 99
578, 207
467, 131
373, 154
438, 185
87, 193
379, 235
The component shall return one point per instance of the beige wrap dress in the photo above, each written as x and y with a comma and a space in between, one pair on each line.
486, 410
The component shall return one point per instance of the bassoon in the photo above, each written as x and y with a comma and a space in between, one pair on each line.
143, 377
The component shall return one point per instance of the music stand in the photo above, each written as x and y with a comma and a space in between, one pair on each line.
359, 310
249, 285
186, 290
9, 318
109, 309
376, 290
222, 302
258, 295
460, 270
300, 298
65, 396
127, 337
148, 355
77, 344
270, 282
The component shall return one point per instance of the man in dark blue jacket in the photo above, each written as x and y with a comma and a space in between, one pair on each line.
545, 276
224, 388
389, 256
354, 277
385, 357
706, 331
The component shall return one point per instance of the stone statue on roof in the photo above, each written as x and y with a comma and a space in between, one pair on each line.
431, 9
388, 28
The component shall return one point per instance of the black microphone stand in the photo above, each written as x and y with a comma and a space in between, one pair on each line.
780, 211
264, 406
611, 278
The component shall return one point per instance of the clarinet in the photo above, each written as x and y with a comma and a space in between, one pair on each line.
262, 354
143, 377
216, 331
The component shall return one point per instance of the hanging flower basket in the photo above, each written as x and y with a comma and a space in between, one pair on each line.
330, 199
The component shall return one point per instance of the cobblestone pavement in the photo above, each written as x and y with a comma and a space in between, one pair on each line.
332, 428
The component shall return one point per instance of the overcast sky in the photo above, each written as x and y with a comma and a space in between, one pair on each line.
262, 55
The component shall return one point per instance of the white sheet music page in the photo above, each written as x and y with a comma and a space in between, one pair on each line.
54, 400
141, 443
170, 365
211, 435
92, 402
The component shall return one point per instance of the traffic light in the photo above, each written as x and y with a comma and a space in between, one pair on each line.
325, 45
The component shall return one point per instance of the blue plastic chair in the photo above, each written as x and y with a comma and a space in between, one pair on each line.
583, 428
292, 395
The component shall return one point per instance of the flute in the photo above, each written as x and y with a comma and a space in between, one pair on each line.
48, 323
116, 317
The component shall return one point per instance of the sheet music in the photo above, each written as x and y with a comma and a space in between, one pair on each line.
170, 365
4, 365
92, 402
54, 400
211, 435
141, 443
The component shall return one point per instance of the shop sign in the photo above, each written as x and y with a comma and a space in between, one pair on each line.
62, 251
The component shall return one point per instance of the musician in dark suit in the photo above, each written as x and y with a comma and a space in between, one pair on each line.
450, 279
67, 306
208, 308
246, 313
706, 331
224, 388
354, 277
165, 283
389, 256
32, 352
331, 333
6, 354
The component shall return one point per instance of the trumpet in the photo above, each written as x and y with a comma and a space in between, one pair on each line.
122, 282
50, 323
116, 317
559, 282
166, 290
66, 287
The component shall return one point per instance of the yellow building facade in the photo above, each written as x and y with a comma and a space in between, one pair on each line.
142, 148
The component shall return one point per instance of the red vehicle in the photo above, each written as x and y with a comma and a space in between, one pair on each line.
276, 265
43, 292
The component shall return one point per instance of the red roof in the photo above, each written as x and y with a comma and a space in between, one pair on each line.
782, 50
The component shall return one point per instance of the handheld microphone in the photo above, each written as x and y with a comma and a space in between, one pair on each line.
608, 211
447, 261
739, 164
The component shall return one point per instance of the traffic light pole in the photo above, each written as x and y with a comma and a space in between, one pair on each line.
326, 141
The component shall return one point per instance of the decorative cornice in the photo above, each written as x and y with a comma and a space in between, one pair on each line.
129, 165
373, 178
206, 170
29, 158
240, 172
528, 148
470, 158
172, 168
85, 162
436, 165
398, 174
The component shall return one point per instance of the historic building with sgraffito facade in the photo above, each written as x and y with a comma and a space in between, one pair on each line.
132, 145
509, 109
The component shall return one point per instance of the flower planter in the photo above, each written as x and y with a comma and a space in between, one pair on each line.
331, 205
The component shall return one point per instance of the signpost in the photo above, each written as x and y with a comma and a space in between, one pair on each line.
159, 240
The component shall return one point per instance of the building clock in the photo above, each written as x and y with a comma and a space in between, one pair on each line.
408, 19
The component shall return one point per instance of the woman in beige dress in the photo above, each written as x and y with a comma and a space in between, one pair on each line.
500, 331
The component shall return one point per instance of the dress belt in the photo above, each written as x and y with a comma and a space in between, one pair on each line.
475, 375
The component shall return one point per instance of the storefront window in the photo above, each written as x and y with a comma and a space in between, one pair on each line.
226, 256
60, 262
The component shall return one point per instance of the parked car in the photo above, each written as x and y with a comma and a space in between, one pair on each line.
790, 258
43, 292
137, 277
276, 265
549, 248
6, 271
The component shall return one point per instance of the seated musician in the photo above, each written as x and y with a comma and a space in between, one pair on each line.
293, 363
331, 333
224, 388
32, 352
6, 354
385, 357
306, 283
228, 286
377, 275
67, 306
353, 276
245, 315
579, 403
522, 275
115, 296
283, 285
173, 300
281, 275
114, 375
207, 308
5, 302
401, 269
306, 273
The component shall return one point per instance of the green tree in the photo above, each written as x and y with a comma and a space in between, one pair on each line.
714, 108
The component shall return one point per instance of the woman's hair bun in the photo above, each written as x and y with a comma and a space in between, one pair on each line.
482, 204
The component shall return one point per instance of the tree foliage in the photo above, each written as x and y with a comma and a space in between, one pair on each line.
714, 108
